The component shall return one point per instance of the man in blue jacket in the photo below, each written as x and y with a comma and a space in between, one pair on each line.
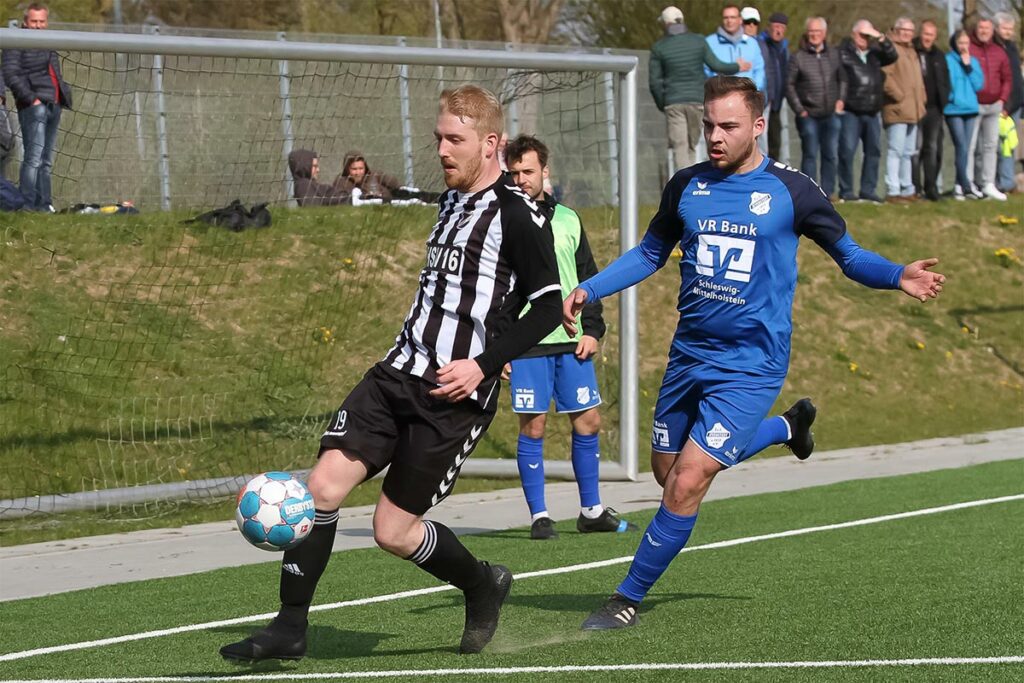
731, 44
40, 94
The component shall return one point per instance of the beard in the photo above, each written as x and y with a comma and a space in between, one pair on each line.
465, 175
731, 165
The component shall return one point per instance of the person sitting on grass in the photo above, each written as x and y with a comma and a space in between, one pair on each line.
305, 167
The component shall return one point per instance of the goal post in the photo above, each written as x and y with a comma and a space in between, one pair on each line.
120, 81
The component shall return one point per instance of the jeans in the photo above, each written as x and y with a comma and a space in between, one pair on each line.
960, 130
762, 139
986, 143
685, 127
39, 124
902, 139
774, 134
819, 135
857, 128
1005, 179
929, 161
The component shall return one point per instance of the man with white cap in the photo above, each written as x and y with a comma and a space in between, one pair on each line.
751, 23
677, 77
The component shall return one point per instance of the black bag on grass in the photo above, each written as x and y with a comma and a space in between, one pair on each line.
236, 217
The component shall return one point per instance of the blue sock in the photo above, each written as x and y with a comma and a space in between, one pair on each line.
664, 538
585, 462
771, 431
530, 458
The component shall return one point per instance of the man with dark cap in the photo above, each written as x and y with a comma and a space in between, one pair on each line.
776, 65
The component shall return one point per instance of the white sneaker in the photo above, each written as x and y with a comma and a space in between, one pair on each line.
992, 192
958, 193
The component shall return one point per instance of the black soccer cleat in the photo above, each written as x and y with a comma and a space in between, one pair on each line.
275, 641
800, 417
608, 520
618, 612
482, 609
543, 529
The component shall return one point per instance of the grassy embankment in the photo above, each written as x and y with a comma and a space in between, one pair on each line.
138, 350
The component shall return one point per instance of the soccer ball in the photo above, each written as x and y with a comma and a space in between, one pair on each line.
275, 511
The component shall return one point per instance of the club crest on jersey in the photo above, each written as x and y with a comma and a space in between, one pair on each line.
717, 435
760, 203
702, 189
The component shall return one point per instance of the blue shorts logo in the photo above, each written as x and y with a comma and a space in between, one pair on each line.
659, 435
717, 435
583, 395
524, 399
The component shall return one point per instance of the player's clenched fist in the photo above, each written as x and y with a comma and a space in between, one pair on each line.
571, 308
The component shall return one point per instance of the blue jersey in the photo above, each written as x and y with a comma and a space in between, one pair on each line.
739, 235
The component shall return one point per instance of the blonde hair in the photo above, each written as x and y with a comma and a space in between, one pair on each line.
476, 103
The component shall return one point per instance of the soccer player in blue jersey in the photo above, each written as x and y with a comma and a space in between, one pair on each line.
738, 219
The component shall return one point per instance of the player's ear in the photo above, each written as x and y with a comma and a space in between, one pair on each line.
491, 141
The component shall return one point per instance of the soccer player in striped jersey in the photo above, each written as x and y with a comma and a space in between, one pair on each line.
738, 219
422, 410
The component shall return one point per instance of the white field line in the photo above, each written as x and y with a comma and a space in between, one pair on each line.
515, 670
11, 656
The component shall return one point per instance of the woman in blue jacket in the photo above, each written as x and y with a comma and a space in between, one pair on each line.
966, 79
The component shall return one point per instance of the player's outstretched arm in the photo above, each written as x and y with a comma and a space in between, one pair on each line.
920, 282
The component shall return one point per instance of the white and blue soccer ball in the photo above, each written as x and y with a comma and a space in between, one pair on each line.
275, 511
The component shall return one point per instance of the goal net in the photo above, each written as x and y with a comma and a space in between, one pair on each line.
147, 359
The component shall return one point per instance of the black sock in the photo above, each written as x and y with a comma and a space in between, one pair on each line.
442, 555
302, 567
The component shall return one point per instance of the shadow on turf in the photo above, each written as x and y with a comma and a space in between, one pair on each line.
579, 603
327, 643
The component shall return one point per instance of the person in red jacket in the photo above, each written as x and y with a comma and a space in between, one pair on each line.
992, 99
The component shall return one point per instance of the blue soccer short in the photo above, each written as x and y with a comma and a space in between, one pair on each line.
719, 409
570, 381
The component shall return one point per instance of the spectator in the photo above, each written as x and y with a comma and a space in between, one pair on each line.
966, 79
1005, 33
863, 55
731, 44
936, 89
816, 90
40, 94
305, 167
6, 134
903, 108
356, 174
676, 74
778, 64
751, 22
991, 100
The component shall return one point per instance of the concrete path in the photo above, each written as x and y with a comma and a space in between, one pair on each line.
59, 566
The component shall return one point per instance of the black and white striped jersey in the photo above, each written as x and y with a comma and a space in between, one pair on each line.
488, 254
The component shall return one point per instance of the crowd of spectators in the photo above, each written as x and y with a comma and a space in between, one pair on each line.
843, 94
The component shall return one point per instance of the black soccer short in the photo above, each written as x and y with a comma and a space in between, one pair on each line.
390, 418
